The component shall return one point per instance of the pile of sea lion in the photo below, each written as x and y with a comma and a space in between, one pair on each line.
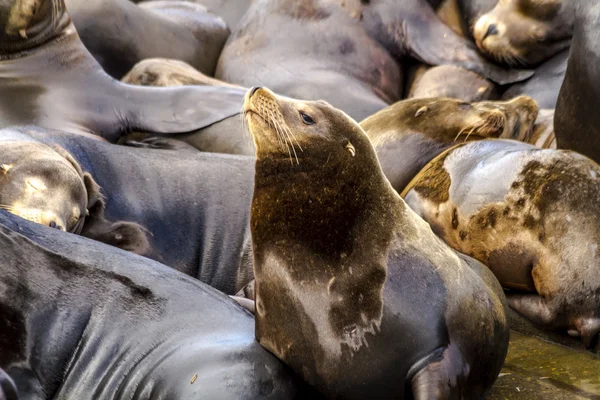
292, 198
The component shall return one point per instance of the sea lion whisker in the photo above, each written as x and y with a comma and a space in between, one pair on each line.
460, 133
288, 132
280, 136
292, 134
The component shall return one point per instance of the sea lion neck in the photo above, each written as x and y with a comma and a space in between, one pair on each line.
26, 24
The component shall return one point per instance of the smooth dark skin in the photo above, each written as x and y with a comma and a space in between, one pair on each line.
544, 86
81, 320
336, 250
576, 121
51, 80
195, 206
119, 33
8, 390
347, 55
409, 134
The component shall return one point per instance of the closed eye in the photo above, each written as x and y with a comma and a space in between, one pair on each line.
307, 119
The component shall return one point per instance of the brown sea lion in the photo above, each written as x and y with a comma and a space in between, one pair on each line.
532, 216
354, 291
345, 52
409, 134
49, 79
46, 185
525, 33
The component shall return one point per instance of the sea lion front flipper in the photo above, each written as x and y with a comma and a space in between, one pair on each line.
8, 390
414, 29
245, 303
179, 109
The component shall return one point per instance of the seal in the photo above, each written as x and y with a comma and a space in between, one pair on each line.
525, 33
121, 325
575, 122
168, 72
46, 185
451, 82
544, 86
197, 223
8, 390
356, 69
340, 262
48, 78
409, 134
536, 225
119, 33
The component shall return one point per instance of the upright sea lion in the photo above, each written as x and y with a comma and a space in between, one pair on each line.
545, 85
409, 134
48, 78
119, 33
345, 52
577, 123
353, 290
525, 33
532, 216
195, 206
47, 186
81, 320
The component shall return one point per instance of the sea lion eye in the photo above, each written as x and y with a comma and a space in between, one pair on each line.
307, 119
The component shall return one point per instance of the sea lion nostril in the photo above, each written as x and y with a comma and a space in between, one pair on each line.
492, 30
52, 224
254, 90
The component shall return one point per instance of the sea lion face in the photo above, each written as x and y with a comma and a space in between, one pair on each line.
38, 184
282, 127
523, 33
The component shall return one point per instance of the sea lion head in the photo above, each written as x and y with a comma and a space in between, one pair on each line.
307, 133
524, 33
46, 185
28, 23
448, 120
38, 184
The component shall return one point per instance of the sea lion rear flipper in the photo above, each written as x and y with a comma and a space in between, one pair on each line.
8, 390
179, 109
416, 30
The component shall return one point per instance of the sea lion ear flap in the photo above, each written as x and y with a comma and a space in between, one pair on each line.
124, 235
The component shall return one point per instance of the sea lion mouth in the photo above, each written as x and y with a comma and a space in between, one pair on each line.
263, 104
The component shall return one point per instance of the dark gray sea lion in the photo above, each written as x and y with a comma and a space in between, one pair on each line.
119, 33
524, 33
409, 134
354, 291
346, 53
48, 78
194, 206
577, 123
81, 320
47, 186
545, 85
532, 216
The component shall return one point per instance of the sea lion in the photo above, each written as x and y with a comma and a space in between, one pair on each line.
194, 206
451, 82
82, 320
168, 72
576, 121
525, 33
545, 85
471, 10
353, 290
8, 390
531, 215
119, 33
343, 52
48, 78
409, 134
47, 186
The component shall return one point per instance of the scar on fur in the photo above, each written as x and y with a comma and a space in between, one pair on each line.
21, 14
